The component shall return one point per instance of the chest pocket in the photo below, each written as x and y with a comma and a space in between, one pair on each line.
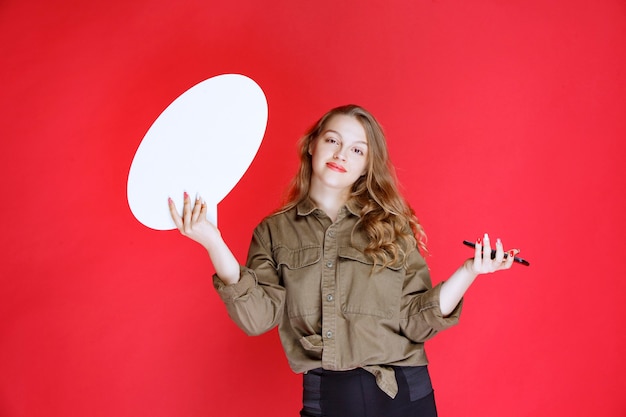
301, 277
367, 291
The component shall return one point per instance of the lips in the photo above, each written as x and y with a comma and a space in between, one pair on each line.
335, 167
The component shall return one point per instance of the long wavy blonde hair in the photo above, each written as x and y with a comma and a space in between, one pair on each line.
388, 221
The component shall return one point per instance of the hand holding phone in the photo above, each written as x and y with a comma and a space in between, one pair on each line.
493, 254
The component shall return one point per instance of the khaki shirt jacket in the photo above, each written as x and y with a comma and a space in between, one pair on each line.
310, 277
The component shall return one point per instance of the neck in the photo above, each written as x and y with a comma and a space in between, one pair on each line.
328, 199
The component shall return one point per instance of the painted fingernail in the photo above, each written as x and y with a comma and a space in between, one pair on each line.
479, 240
498, 241
186, 195
169, 200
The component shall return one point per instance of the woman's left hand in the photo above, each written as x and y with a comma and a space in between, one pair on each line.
483, 262
455, 287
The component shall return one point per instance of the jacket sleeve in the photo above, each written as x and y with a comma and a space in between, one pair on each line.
256, 302
420, 312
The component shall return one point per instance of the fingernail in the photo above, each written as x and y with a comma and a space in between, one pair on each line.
479, 240
486, 237
186, 195
498, 241
169, 199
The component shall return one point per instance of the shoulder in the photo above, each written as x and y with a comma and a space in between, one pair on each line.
277, 225
278, 218
292, 229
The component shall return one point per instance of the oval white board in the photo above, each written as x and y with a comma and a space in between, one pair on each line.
202, 143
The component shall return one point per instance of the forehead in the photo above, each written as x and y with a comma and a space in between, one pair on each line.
348, 127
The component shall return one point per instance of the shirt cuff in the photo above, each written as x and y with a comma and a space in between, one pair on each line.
230, 293
434, 316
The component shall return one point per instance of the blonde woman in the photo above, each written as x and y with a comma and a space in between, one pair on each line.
339, 270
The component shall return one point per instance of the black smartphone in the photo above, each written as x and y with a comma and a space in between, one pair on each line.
493, 254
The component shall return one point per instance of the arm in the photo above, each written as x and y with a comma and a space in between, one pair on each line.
420, 314
256, 302
253, 295
194, 225
454, 288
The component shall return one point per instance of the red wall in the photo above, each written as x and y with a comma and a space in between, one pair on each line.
502, 116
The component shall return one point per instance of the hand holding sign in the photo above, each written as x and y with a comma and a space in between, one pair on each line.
202, 143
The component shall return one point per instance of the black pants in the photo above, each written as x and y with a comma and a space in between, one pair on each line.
355, 394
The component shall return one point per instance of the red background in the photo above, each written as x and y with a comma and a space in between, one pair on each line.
502, 116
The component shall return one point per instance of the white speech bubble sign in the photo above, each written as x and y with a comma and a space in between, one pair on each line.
202, 143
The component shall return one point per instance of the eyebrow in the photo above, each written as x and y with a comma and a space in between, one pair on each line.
339, 134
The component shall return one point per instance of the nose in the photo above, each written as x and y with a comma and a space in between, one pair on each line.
339, 155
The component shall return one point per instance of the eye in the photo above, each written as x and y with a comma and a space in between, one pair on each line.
331, 139
358, 151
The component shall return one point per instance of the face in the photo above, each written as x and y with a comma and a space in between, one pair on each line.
339, 154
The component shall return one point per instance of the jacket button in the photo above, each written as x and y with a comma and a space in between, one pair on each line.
329, 264
329, 334
330, 297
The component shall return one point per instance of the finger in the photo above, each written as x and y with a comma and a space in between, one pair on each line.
478, 254
186, 211
204, 209
499, 252
510, 258
486, 250
174, 213
197, 205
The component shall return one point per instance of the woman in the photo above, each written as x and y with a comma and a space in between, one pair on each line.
338, 269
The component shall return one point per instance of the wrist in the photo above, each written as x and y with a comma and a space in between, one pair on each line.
468, 268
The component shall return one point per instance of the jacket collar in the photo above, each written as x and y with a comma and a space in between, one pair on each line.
307, 206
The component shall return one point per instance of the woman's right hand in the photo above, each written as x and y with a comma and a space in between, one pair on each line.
193, 223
